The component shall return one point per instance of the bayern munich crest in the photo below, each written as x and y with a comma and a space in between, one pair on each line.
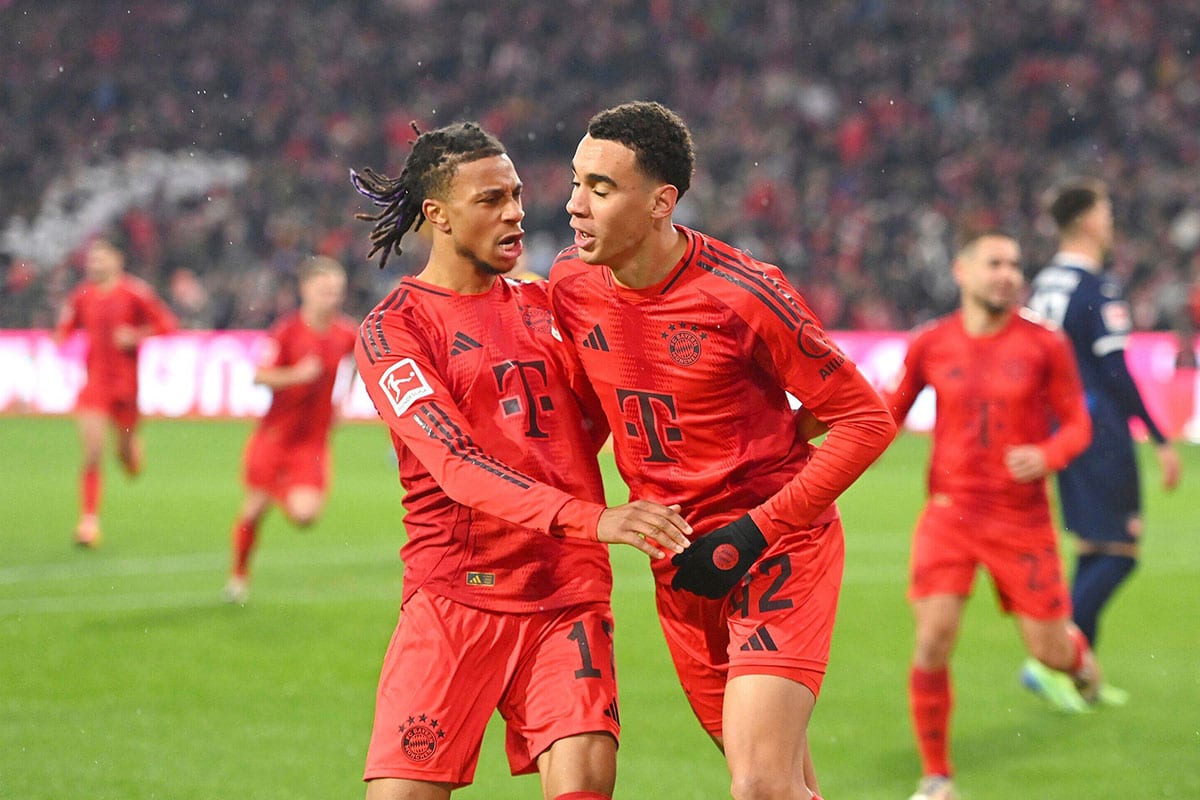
683, 343
419, 737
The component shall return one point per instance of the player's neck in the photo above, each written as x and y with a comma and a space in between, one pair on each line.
979, 321
457, 274
1082, 247
652, 262
317, 320
107, 284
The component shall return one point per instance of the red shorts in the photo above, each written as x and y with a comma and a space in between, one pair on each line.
551, 674
277, 468
780, 622
1021, 556
120, 407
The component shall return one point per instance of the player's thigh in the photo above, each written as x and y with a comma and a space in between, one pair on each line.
943, 560
697, 634
91, 423
399, 789
766, 723
1023, 560
781, 618
565, 686
123, 411
262, 461
586, 762
444, 672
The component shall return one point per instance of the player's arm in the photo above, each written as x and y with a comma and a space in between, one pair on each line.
154, 318
272, 370
904, 387
860, 428
828, 384
412, 399
68, 319
1064, 392
1109, 348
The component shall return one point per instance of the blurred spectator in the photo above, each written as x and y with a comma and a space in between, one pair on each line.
842, 140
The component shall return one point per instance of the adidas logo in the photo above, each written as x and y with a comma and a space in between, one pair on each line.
595, 340
760, 640
612, 713
463, 343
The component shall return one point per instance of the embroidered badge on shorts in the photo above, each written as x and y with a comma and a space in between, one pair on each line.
419, 737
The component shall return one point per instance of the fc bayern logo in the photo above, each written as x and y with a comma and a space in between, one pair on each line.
684, 348
419, 737
725, 557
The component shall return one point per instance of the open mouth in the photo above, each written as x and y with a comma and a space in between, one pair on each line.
583, 240
511, 245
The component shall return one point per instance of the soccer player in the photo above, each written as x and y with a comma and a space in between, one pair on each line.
1010, 410
693, 347
286, 460
117, 312
1100, 491
506, 583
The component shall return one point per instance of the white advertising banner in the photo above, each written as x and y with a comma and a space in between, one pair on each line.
211, 374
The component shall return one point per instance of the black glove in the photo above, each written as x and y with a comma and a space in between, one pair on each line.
715, 562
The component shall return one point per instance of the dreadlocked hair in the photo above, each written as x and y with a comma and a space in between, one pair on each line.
427, 172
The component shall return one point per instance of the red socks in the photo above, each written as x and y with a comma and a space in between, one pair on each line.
244, 534
582, 796
1082, 648
89, 489
930, 702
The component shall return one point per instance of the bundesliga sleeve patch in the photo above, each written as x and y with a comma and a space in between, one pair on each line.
404, 385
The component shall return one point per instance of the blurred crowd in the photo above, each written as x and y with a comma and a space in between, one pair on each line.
844, 141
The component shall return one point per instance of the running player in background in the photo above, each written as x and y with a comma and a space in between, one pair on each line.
286, 462
1100, 491
117, 312
692, 347
506, 582
1009, 411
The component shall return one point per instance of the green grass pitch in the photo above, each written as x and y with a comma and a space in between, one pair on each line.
122, 675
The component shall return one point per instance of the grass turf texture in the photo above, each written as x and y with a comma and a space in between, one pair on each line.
122, 675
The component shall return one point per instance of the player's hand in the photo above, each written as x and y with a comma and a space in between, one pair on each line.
1026, 463
645, 525
1168, 462
307, 369
126, 337
716, 561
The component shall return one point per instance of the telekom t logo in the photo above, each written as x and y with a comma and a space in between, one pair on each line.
526, 398
648, 418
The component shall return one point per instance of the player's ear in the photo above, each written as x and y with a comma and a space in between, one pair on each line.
957, 268
436, 214
664, 200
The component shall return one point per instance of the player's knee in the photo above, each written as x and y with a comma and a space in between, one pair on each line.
933, 648
762, 784
303, 507
304, 517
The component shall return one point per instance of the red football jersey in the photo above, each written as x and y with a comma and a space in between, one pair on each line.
131, 302
493, 446
303, 413
694, 373
994, 392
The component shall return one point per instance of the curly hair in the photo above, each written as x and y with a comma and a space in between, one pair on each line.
660, 140
428, 171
